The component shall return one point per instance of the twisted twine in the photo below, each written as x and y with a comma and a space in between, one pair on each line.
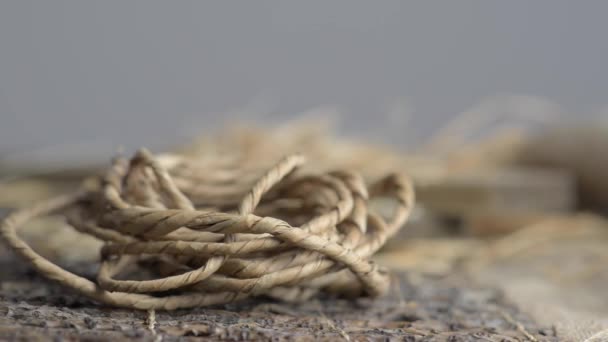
213, 232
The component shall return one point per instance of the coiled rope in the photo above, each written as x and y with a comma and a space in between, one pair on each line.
214, 231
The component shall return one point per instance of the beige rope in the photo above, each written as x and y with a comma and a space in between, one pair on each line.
215, 233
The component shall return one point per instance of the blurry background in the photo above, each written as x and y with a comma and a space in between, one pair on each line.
82, 78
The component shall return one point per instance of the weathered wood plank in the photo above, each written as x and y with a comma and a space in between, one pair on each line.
504, 190
417, 309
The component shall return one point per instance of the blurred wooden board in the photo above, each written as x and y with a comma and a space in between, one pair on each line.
505, 190
498, 201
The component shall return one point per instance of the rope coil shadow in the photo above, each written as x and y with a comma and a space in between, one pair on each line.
214, 232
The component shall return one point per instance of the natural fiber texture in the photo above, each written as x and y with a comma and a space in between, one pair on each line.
215, 231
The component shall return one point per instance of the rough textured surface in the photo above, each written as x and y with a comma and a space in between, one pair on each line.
417, 309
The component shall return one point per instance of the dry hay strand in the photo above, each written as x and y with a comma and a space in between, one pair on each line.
316, 141
214, 231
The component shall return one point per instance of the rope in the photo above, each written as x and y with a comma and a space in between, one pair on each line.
214, 233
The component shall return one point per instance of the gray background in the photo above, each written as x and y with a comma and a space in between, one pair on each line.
85, 77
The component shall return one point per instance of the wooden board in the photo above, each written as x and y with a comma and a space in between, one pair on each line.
505, 190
